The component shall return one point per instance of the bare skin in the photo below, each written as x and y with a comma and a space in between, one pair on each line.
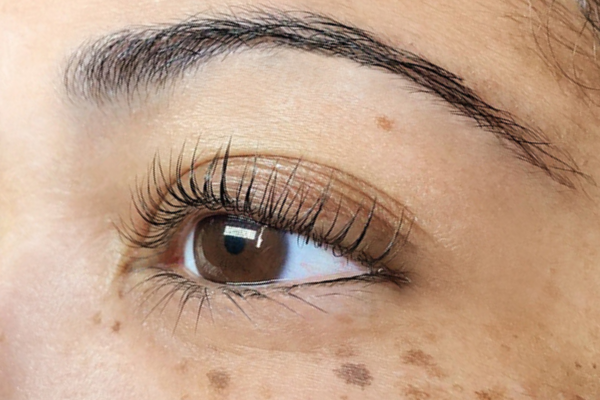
505, 266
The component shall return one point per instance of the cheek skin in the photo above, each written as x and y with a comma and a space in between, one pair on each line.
415, 348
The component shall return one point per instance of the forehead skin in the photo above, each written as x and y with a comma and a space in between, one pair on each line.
65, 334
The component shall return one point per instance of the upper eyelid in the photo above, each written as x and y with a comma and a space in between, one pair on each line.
391, 213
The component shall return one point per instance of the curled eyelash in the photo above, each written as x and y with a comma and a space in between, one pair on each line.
282, 201
163, 206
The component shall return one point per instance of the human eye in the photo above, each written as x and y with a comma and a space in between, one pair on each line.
224, 233
236, 250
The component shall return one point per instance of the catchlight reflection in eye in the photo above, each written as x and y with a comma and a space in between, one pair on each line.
228, 249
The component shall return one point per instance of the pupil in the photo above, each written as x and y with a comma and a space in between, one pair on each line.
234, 245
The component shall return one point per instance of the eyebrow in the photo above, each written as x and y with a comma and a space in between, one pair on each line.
132, 60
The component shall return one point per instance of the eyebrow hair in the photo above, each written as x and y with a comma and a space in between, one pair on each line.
136, 59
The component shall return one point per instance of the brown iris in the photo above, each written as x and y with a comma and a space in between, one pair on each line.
230, 249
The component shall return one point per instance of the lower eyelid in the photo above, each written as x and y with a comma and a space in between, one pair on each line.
160, 290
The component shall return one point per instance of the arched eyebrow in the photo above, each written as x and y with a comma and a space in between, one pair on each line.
132, 60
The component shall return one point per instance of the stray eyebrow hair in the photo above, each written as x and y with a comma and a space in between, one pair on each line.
126, 62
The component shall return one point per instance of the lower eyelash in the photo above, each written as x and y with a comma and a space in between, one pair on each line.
187, 290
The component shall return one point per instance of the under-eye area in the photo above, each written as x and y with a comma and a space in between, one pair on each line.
248, 235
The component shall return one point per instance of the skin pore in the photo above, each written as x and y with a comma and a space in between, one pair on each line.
502, 254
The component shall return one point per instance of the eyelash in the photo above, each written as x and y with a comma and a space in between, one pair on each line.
164, 206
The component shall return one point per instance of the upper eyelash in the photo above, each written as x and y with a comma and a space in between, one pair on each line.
164, 205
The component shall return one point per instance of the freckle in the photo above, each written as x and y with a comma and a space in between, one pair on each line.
483, 396
490, 395
218, 379
384, 123
182, 366
418, 358
431, 337
577, 365
421, 359
116, 327
413, 393
594, 366
97, 318
354, 374
343, 319
458, 388
346, 351
344, 397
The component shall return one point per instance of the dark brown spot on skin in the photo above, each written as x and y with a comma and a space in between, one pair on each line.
413, 393
354, 374
384, 123
594, 366
116, 327
218, 379
483, 395
577, 365
418, 358
421, 359
97, 318
490, 395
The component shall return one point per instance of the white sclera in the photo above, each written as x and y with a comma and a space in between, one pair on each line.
189, 259
303, 262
